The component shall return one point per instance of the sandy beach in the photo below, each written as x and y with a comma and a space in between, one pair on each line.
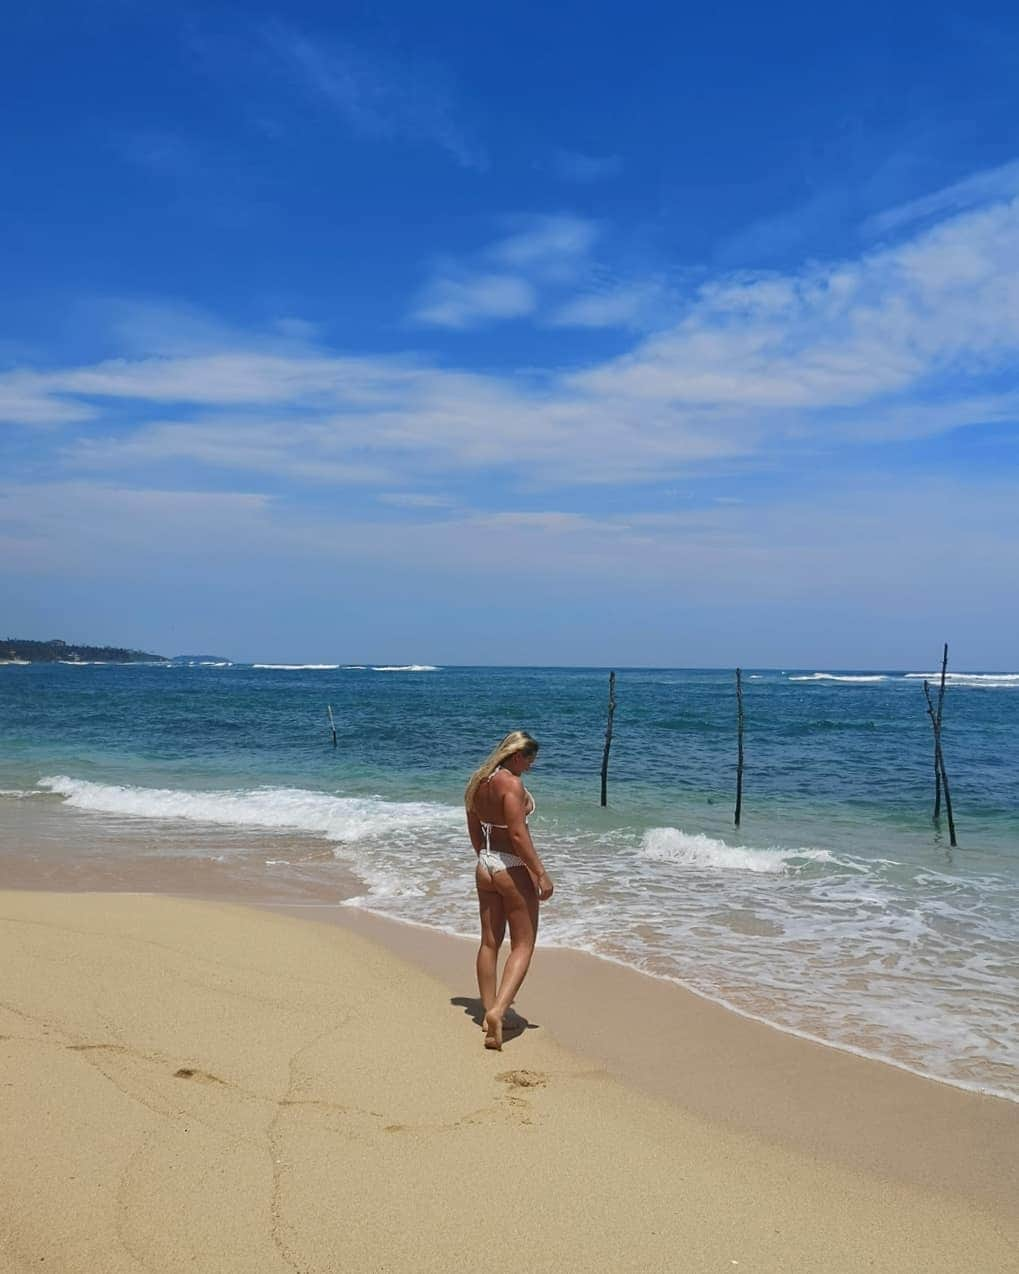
193, 1084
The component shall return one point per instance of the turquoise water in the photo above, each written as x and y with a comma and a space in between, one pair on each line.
837, 910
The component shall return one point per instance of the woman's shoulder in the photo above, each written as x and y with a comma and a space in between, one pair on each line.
504, 781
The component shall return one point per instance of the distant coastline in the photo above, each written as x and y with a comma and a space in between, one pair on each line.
22, 651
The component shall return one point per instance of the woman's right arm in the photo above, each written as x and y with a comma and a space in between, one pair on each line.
515, 814
474, 831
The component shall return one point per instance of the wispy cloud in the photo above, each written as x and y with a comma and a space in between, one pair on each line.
624, 305
943, 305
911, 340
551, 246
707, 553
504, 280
470, 300
979, 188
28, 398
315, 454
574, 165
414, 500
51, 526
378, 95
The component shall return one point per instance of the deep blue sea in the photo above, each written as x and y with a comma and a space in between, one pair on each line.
837, 911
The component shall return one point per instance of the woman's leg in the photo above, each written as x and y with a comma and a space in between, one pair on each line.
520, 903
493, 930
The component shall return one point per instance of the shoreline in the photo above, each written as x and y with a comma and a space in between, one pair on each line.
199, 1084
239, 874
673, 1044
341, 908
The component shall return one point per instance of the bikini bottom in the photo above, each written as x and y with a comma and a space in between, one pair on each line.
499, 860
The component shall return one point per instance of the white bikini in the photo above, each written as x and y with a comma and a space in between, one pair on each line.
500, 859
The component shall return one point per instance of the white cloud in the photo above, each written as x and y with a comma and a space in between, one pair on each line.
905, 341
504, 280
250, 376
626, 305
843, 334
709, 554
311, 453
984, 187
546, 243
28, 398
473, 299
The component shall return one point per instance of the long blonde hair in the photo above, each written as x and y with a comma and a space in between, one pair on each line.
515, 741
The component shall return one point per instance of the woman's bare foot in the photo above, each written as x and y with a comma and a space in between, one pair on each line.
493, 1029
511, 1021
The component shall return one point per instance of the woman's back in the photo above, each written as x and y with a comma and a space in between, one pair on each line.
490, 798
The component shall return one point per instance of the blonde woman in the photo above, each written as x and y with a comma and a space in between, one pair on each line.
510, 876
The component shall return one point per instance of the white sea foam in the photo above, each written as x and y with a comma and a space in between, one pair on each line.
299, 667
405, 668
18, 793
831, 676
21, 663
988, 679
337, 818
670, 844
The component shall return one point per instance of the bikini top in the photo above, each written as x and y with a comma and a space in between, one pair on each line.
530, 801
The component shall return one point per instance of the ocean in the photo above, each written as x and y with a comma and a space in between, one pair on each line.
838, 911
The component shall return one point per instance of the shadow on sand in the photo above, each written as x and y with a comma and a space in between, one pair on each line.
512, 1024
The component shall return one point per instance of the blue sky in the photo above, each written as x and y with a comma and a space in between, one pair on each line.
602, 333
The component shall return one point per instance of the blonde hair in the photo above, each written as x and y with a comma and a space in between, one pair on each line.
515, 741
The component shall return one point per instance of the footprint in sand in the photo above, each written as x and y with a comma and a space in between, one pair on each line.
203, 1077
523, 1079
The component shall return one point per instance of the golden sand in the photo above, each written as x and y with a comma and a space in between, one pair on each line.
197, 1086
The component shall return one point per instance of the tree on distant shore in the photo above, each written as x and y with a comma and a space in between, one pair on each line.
56, 649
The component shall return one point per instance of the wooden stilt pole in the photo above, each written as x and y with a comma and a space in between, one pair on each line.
937, 735
608, 740
939, 756
739, 746
332, 723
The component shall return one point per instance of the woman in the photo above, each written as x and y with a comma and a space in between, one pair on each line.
510, 876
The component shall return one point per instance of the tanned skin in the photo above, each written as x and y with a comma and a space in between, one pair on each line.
506, 897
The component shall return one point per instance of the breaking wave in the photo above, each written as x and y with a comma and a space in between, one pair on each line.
299, 667
406, 668
670, 844
988, 679
337, 818
831, 676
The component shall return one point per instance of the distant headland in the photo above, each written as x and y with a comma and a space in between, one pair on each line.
19, 651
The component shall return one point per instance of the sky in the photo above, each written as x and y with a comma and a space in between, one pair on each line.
602, 333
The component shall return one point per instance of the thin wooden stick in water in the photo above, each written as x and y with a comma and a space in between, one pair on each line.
332, 723
739, 746
936, 723
608, 740
940, 761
